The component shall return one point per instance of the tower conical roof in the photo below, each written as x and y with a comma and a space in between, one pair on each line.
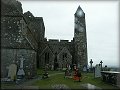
79, 12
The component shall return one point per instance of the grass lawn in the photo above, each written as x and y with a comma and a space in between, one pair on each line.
59, 79
40, 72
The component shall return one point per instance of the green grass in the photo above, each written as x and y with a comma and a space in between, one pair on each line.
40, 72
89, 78
7, 86
59, 79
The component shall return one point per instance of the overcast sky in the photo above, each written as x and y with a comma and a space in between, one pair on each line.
102, 25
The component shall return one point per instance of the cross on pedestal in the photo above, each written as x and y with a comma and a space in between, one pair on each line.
21, 62
21, 72
91, 63
101, 64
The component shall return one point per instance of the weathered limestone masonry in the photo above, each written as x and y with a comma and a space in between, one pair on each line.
18, 38
63, 52
23, 36
80, 40
54, 51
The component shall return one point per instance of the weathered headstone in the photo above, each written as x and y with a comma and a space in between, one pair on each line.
84, 68
69, 68
78, 65
97, 71
12, 71
52, 67
67, 73
87, 68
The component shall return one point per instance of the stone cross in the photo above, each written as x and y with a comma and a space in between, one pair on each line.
101, 64
21, 71
21, 63
91, 63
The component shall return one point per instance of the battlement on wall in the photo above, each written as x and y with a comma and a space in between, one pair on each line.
53, 40
64, 41
58, 41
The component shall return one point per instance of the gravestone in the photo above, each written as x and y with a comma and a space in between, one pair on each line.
69, 68
87, 68
97, 71
52, 67
78, 65
21, 72
84, 68
12, 69
67, 73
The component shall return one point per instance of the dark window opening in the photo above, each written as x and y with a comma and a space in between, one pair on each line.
46, 58
64, 55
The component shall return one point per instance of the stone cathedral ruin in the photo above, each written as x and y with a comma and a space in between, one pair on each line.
24, 47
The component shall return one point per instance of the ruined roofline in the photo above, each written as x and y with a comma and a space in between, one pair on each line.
29, 15
36, 18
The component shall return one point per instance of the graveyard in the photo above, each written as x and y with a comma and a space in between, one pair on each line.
56, 80
93, 77
30, 60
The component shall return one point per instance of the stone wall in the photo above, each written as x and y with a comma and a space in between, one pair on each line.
10, 56
80, 39
17, 40
24, 35
64, 58
55, 48
37, 26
